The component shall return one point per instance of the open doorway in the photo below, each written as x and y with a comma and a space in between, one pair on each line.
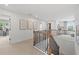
4, 32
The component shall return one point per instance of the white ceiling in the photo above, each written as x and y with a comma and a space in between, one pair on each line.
43, 11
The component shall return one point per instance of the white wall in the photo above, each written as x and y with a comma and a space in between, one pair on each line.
16, 35
77, 23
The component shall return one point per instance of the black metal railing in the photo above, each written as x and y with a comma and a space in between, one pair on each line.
43, 35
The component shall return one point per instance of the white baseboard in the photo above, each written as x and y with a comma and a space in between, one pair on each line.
40, 50
17, 41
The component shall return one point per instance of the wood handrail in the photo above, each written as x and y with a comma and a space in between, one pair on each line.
52, 46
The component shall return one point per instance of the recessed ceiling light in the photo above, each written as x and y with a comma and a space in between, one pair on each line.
36, 16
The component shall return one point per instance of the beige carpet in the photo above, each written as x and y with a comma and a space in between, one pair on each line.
21, 48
